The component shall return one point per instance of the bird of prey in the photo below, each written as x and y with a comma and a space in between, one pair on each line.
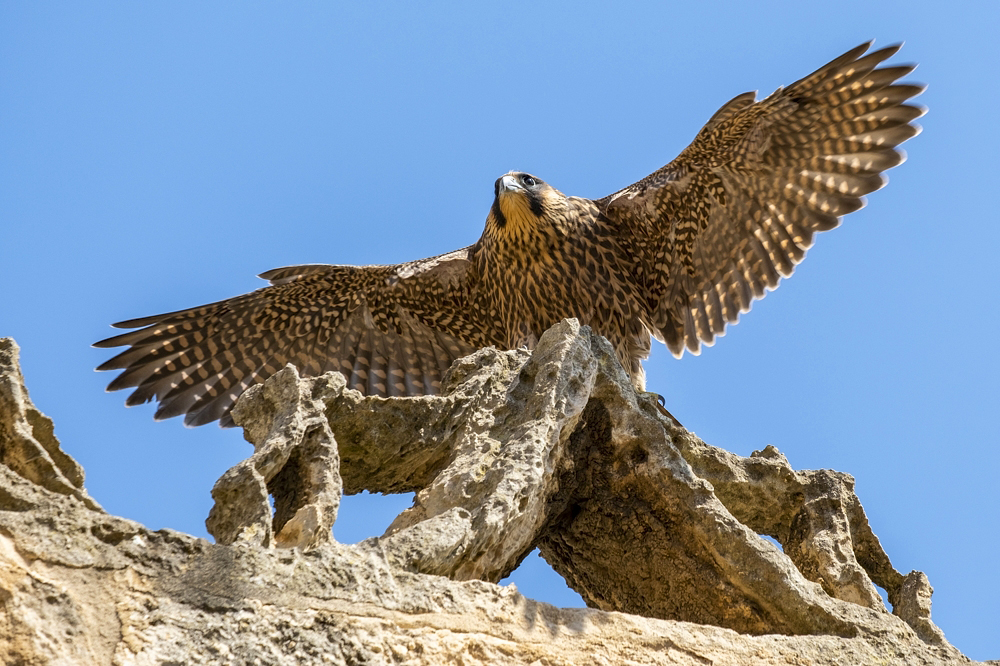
676, 256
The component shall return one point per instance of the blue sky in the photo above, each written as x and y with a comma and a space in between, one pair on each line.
155, 156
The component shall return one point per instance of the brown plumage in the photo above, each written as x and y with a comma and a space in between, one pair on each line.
676, 256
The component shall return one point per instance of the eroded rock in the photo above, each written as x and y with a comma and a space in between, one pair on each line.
27, 443
295, 461
554, 451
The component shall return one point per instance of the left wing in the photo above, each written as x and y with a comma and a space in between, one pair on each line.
390, 330
721, 224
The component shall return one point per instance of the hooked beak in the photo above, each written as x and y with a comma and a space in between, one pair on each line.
507, 183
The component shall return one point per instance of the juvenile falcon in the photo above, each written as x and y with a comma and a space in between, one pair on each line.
675, 256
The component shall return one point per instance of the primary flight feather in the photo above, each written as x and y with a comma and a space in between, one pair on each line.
676, 256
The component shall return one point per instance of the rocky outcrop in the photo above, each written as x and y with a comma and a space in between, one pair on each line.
551, 449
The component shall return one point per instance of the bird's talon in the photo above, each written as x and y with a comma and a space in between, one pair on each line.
661, 407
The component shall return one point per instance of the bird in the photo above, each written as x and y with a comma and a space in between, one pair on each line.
676, 257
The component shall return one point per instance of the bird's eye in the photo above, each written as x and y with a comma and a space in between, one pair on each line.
528, 181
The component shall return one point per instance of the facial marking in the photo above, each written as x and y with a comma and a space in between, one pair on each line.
516, 208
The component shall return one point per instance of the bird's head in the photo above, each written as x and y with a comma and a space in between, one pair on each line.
523, 204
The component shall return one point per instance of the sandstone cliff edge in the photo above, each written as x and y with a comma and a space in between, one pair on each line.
658, 531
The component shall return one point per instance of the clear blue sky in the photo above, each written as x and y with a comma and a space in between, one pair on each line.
155, 156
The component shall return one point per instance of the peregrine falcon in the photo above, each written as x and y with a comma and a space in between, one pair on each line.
676, 256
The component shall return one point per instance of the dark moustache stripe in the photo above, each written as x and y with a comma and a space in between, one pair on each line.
535, 203
498, 215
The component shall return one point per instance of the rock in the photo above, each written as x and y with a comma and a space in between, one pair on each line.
27, 443
295, 461
550, 449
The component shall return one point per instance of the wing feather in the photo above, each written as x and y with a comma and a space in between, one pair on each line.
736, 211
390, 330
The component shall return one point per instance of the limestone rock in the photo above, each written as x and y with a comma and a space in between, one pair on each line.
295, 461
551, 449
27, 443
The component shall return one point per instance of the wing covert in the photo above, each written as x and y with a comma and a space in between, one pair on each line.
736, 211
390, 330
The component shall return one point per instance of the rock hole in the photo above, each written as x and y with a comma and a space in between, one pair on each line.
638, 456
368, 514
884, 595
109, 533
287, 491
536, 580
772, 540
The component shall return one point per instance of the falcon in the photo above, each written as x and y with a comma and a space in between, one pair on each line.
676, 256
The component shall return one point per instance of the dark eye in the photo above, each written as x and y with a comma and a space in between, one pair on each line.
528, 181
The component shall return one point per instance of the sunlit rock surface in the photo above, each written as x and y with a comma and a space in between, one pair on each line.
551, 449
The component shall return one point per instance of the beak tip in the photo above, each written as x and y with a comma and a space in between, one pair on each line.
507, 183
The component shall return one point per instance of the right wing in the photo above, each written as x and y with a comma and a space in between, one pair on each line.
390, 330
737, 210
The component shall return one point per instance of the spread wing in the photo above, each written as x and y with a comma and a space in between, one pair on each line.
391, 331
721, 224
